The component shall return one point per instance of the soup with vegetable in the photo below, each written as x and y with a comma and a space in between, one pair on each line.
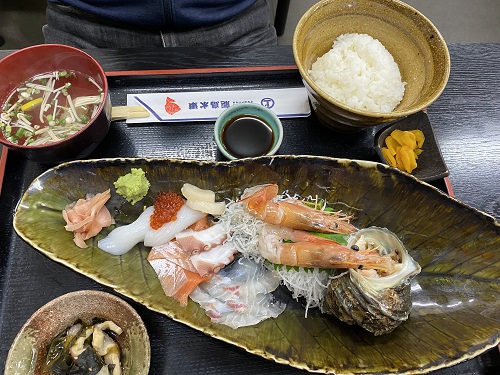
50, 107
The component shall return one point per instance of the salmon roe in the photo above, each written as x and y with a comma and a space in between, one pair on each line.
166, 206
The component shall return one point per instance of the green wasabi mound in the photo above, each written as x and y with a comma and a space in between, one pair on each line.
133, 186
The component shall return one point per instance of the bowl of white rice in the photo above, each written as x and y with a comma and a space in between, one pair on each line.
369, 62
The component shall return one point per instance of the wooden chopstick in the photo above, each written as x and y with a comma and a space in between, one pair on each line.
126, 112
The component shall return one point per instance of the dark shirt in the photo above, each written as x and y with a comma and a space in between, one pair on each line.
163, 14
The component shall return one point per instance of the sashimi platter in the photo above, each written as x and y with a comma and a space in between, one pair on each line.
328, 265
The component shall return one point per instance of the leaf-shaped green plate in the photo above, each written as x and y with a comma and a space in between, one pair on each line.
456, 308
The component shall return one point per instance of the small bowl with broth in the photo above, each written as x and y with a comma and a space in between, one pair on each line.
55, 103
78, 331
248, 130
369, 62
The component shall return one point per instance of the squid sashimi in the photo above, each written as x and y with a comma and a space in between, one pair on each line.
213, 260
195, 241
240, 294
86, 217
122, 239
176, 273
184, 218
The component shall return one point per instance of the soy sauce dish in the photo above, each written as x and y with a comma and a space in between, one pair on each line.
248, 130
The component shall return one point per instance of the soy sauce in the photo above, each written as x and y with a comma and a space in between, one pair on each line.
246, 136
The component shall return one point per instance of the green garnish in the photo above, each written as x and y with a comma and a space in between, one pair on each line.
340, 238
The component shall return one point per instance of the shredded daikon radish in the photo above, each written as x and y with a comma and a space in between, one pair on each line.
243, 230
311, 284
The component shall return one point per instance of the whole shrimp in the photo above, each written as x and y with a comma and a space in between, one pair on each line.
308, 250
293, 213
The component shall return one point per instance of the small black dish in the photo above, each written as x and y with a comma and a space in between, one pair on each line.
430, 163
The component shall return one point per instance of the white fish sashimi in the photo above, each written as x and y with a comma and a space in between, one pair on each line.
185, 217
255, 277
262, 307
236, 314
122, 239
242, 282
214, 308
240, 295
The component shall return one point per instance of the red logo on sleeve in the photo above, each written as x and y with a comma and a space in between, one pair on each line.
171, 106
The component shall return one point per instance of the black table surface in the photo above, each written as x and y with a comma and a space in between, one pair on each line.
466, 121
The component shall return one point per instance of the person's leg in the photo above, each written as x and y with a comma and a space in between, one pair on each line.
66, 25
251, 28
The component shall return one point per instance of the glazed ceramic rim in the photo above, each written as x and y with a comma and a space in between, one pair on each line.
381, 115
105, 91
240, 109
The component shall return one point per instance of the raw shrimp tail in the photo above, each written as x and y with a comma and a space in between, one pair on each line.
257, 197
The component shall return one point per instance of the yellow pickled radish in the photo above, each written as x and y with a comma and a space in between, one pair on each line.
389, 156
410, 140
392, 144
404, 138
31, 104
407, 158
419, 137
399, 161
396, 134
403, 148
417, 152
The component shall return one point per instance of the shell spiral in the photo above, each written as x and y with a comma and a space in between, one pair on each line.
378, 304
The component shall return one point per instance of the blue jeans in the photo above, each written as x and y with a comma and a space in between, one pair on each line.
66, 25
